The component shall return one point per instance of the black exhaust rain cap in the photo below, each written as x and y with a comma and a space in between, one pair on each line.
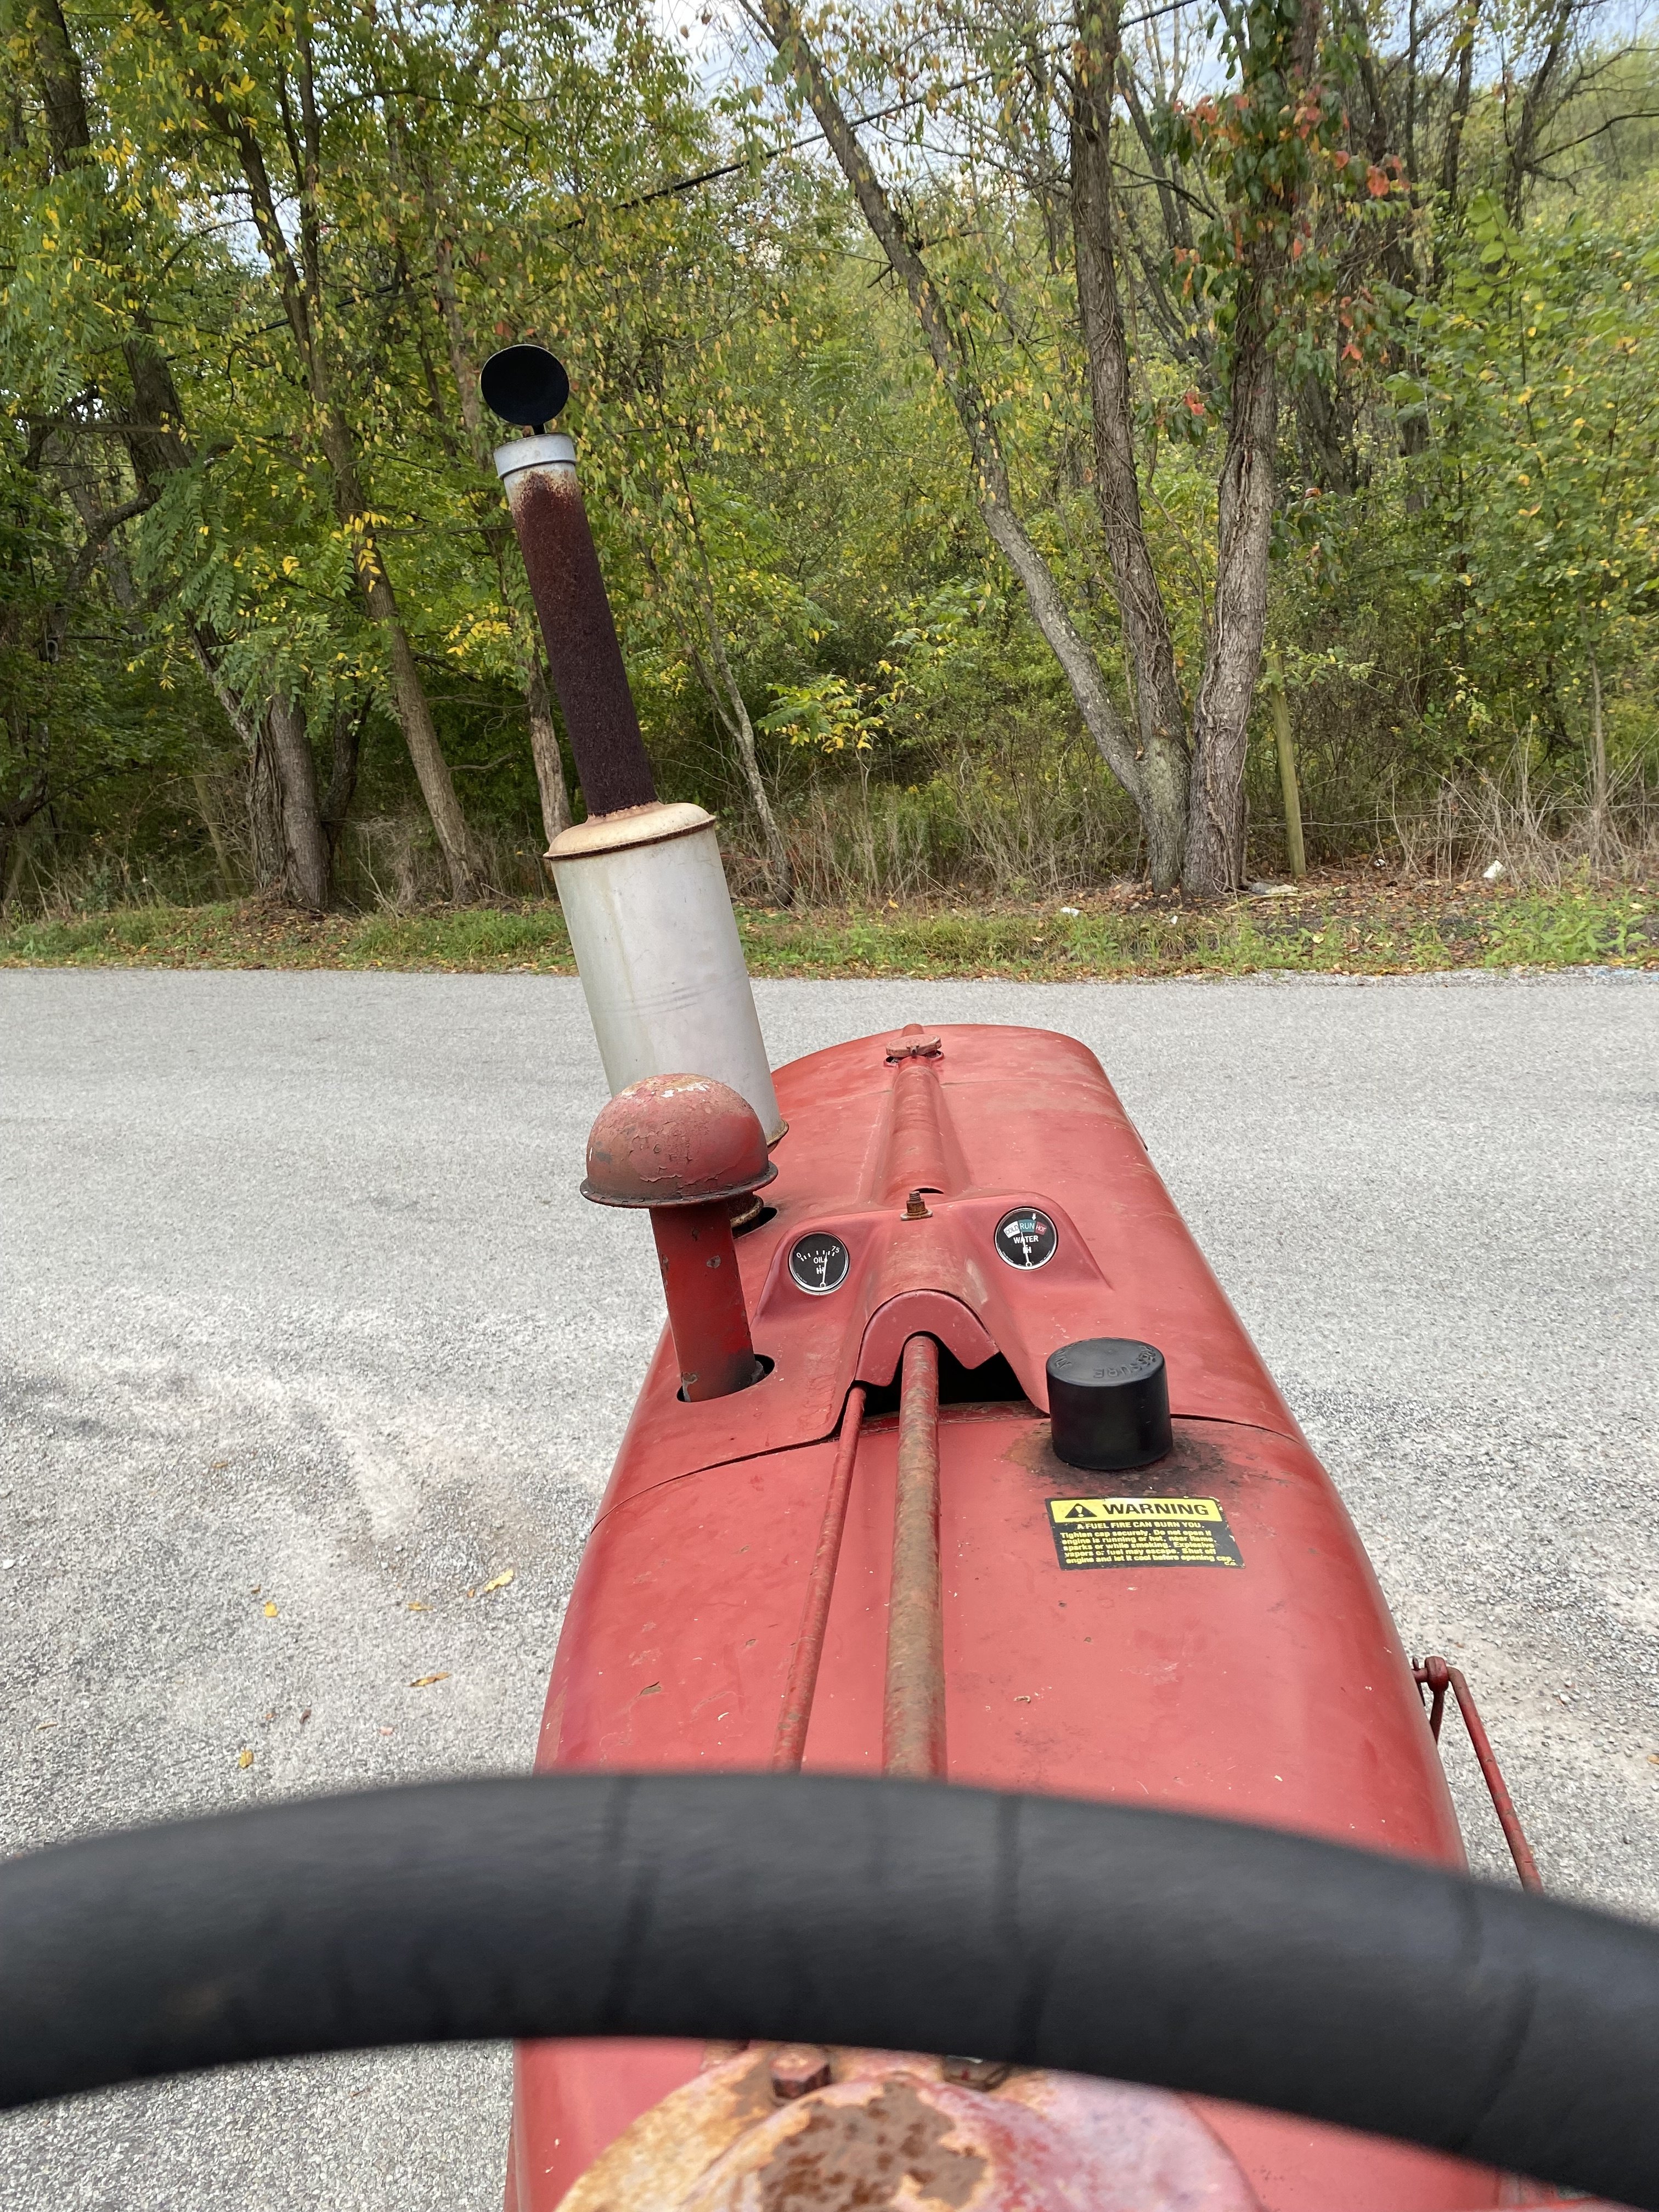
525, 386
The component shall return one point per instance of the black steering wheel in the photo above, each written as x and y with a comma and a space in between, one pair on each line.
1150, 1946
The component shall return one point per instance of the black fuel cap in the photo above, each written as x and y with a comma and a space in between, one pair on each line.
1109, 1400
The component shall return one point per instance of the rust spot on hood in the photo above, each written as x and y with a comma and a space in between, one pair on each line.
858, 2157
887, 2134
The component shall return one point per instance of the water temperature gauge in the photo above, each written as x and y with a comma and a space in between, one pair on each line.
1027, 1238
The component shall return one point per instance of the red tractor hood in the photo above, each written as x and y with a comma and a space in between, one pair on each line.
1256, 1675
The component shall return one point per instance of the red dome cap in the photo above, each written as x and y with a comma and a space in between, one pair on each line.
675, 1140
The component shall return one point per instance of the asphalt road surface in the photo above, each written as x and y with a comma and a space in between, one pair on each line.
307, 1339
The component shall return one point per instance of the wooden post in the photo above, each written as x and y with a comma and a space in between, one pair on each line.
1279, 707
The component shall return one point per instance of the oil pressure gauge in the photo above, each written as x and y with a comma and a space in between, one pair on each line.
819, 1263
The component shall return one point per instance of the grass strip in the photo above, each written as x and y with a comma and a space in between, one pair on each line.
1335, 928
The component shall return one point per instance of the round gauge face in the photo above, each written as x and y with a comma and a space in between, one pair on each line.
1026, 1237
819, 1263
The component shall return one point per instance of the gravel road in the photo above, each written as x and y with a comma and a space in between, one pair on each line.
306, 1337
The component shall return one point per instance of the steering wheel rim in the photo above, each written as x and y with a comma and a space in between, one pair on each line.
1268, 1968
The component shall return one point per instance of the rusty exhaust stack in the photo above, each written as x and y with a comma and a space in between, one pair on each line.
644, 894
524, 384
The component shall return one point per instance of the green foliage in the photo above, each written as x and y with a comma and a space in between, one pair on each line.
828, 713
1464, 551
1541, 384
1290, 191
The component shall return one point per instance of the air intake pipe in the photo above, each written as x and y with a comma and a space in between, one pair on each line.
644, 894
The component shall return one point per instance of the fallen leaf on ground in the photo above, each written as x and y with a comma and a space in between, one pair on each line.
271, 1611
500, 1581
425, 1681
417, 1605
244, 1758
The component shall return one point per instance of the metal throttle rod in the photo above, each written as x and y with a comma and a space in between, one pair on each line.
790, 1744
912, 1712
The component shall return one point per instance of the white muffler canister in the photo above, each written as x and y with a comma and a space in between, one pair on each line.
650, 918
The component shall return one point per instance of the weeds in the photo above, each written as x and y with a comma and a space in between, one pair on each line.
1545, 836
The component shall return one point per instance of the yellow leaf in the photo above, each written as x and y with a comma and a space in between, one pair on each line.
271, 1611
244, 1758
500, 1581
425, 1681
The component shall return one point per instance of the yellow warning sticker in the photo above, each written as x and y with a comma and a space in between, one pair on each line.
1142, 1531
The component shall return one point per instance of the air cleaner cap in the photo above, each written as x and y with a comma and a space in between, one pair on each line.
1109, 1400
675, 1140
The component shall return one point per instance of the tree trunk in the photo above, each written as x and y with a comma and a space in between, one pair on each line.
1285, 739
430, 766
1215, 830
1535, 106
1599, 793
1327, 451
727, 701
408, 697
291, 851
305, 847
545, 751
17, 819
345, 755
1077, 664
1160, 712
421, 735
265, 818
1451, 152
1238, 617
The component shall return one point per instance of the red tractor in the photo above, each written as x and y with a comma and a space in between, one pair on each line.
980, 1769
